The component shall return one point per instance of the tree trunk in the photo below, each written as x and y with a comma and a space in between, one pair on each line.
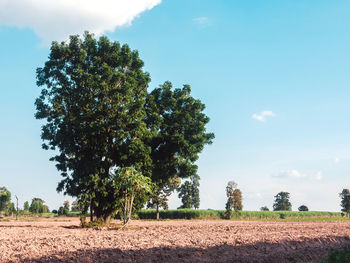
107, 219
91, 213
157, 207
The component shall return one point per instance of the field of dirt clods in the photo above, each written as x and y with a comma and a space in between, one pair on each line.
61, 240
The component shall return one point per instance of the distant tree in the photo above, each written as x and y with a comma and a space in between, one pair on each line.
5, 199
185, 193
189, 193
76, 206
161, 193
234, 199
62, 211
11, 209
37, 206
264, 208
303, 208
195, 191
282, 202
26, 206
54, 211
345, 201
237, 200
66, 204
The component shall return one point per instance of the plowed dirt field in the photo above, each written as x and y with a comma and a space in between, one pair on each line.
61, 240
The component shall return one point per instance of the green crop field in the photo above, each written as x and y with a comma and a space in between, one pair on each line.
242, 215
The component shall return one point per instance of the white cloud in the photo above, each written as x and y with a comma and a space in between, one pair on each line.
336, 160
297, 174
263, 115
57, 19
203, 21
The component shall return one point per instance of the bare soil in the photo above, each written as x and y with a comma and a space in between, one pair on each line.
61, 240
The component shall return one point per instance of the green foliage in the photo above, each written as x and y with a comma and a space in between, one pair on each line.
264, 208
282, 202
130, 183
5, 199
178, 134
99, 116
11, 209
303, 208
93, 99
26, 206
62, 211
189, 193
76, 206
338, 256
241, 215
345, 201
161, 193
37, 206
66, 205
185, 193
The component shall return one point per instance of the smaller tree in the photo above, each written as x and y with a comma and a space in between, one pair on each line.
234, 199
76, 206
26, 206
161, 193
345, 201
130, 184
195, 191
264, 208
62, 211
185, 193
189, 193
5, 199
303, 208
37, 206
282, 202
66, 204
11, 209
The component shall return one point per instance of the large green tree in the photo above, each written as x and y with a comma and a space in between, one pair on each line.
5, 199
282, 202
93, 99
99, 117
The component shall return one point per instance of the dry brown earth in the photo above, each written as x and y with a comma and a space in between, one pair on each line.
171, 241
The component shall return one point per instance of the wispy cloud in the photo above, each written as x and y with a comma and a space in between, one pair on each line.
336, 160
297, 174
202, 21
57, 19
263, 115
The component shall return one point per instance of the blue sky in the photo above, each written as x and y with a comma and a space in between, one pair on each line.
274, 76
